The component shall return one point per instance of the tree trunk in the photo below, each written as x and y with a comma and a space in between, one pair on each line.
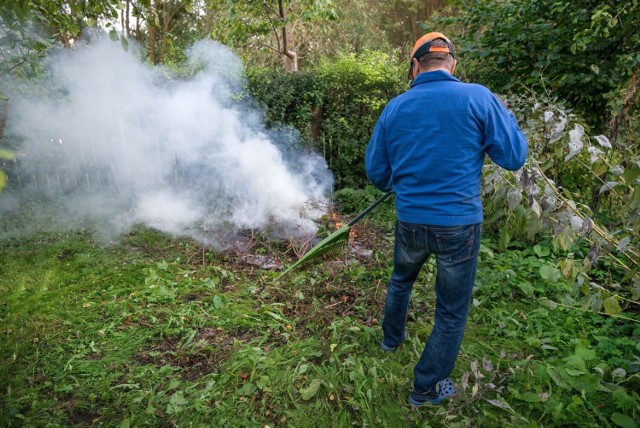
151, 34
290, 57
166, 18
127, 16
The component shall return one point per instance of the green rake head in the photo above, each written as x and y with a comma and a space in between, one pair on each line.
334, 242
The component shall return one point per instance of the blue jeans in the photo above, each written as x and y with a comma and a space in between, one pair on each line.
456, 252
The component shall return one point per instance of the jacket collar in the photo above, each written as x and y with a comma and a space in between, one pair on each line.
432, 76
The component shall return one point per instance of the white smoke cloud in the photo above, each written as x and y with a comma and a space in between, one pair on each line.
117, 142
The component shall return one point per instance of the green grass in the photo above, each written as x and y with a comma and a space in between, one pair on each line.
157, 331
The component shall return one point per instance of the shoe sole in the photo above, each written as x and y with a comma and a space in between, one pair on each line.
435, 402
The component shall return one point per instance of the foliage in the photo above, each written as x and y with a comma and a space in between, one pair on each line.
165, 27
64, 21
553, 195
317, 29
159, 331
334, 107
584, 52
19, 49
259, 29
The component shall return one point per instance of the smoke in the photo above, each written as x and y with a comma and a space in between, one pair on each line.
113, 142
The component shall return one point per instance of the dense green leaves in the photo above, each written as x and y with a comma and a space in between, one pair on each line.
584, 52
335, 107
258, 28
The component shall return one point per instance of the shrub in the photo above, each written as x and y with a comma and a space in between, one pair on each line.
334, 106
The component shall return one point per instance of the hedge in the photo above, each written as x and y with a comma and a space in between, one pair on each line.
334, 106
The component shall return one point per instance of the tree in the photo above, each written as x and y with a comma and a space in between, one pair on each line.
29, 28
158, 23
268, 27
582, 51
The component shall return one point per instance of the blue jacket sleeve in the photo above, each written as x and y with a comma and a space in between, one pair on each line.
503, 141
377, 163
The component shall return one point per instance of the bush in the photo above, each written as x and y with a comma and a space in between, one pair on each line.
334, 106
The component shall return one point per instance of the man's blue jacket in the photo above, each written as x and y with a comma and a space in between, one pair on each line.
429, 145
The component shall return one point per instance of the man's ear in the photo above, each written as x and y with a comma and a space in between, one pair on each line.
415, 70
453, 67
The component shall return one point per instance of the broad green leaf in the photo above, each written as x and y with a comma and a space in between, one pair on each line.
177, 399
557, 377
564, 239
585, 353
310, 392
530, 397
526, 288
486, 250
124, 43
611, 306
247, 389
113, 35
586, 382
550, 273
594, 301
599, 168
631, 174
623, 420
217, 302
576, 362
264, 383
567, 267
541, 251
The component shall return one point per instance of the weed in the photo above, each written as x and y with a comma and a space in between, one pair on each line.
159, 331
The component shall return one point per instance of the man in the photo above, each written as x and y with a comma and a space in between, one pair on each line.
428, 147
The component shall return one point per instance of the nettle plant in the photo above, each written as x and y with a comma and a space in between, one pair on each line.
581, 190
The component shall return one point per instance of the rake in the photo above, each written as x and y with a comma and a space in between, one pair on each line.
336, 240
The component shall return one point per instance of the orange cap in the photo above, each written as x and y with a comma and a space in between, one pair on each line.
423, 46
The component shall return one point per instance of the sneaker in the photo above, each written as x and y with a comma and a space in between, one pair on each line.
386, 348
444, 388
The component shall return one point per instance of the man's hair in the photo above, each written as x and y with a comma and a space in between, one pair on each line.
433, 60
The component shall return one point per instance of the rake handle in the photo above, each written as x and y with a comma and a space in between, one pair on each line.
370, 208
